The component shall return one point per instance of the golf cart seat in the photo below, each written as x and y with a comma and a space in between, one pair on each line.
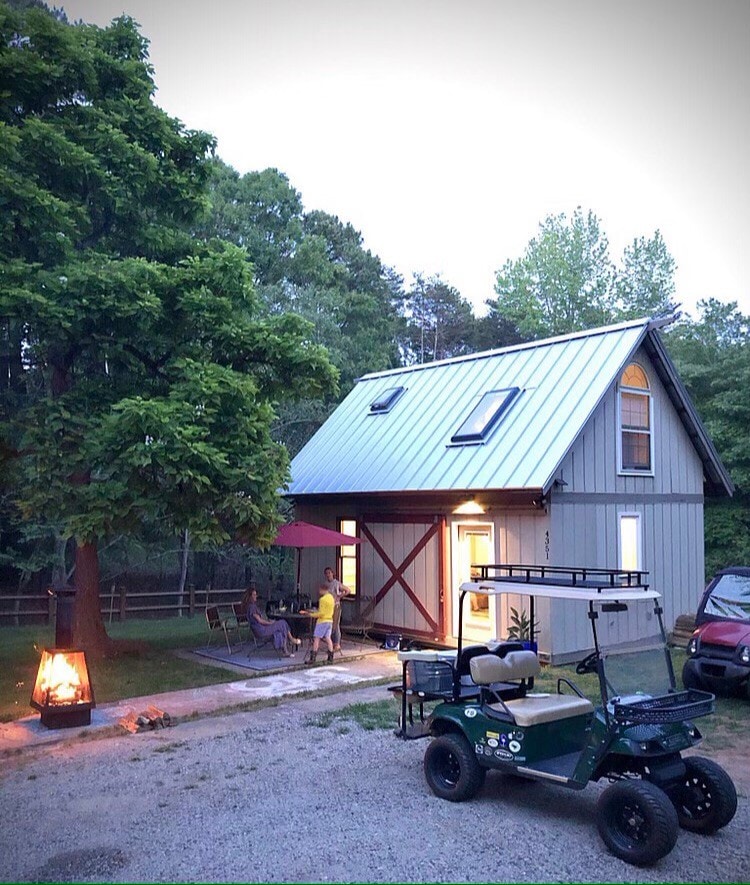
521, 667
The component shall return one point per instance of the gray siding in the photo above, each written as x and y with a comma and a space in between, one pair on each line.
585, 516
591, 463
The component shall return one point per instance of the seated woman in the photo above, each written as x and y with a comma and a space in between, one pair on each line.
262, 628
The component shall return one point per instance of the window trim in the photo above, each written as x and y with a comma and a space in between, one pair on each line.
621, 517
387, 404
638, 391
340, 557
480, 437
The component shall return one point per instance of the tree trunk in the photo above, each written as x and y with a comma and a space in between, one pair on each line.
88, 628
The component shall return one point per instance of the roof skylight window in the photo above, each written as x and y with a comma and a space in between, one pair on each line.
485, 415
386, 400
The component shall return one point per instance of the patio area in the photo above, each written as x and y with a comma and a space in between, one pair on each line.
246, 657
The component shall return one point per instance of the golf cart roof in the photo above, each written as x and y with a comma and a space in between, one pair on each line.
582, 584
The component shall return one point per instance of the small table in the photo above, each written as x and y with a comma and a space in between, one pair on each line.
300, 623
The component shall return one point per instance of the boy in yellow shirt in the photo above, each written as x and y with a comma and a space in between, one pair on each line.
323, 624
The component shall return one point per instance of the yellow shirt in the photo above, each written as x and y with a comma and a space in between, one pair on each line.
325, 609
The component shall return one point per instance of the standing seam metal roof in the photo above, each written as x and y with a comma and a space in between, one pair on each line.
562, 380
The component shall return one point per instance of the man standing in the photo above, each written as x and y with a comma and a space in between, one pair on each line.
338, 591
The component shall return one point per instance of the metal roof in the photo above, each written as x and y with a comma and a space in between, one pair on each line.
408, 448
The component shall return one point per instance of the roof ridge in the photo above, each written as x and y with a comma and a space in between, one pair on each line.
511, 348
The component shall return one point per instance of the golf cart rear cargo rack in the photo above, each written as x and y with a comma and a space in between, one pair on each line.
561, 576
675, 707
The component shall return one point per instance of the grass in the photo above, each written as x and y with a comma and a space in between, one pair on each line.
725, 729
373, 716
159, 669
130, 675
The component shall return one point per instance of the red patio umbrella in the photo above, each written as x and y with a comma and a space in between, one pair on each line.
305, 534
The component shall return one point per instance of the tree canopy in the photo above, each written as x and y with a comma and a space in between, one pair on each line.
142, 370
566, 281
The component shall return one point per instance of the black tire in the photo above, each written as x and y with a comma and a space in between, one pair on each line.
451, 768
707, 800
689, 677
637, 822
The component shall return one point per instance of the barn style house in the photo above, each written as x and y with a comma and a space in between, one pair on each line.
582, 450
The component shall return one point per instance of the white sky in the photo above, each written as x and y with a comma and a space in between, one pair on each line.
446, 130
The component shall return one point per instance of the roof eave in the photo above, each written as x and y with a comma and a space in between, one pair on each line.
717, 476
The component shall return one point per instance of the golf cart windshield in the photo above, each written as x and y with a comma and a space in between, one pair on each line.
640, 671
730, 598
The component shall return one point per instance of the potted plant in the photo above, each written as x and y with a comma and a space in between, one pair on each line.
522, 629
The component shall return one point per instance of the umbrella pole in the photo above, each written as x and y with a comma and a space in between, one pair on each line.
299, 564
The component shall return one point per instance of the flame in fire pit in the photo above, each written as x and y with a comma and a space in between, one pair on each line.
62, 680
60, 683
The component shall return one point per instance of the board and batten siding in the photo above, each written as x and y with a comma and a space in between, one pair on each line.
584, 518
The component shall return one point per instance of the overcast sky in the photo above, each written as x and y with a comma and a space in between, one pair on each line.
445, 131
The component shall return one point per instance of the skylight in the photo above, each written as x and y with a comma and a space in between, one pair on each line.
485, 415
386, 400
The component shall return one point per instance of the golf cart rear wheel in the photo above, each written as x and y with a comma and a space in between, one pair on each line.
637, 822
707, 800
451, 768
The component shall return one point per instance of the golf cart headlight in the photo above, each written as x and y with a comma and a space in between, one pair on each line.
692, 646
745, 654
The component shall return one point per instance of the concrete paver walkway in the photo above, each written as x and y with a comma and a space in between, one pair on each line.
29, 731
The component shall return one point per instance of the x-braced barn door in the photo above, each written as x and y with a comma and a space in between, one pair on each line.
401, 567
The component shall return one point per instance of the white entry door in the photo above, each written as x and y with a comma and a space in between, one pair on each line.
473, 544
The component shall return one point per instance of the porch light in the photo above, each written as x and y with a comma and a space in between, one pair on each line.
469, 507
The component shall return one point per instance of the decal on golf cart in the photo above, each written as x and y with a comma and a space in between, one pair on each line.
470, 712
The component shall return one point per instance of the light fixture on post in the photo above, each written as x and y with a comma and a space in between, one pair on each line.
470, 507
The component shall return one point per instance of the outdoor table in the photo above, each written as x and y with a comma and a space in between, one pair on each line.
300, 623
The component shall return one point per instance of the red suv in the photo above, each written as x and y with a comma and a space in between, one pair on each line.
719, 649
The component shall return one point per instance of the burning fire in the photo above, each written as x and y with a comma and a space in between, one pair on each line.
59, 682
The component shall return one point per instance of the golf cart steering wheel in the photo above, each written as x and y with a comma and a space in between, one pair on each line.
588, 664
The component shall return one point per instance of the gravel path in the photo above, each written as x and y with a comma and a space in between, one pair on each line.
267, 796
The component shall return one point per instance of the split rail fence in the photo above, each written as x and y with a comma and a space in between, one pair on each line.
119, 604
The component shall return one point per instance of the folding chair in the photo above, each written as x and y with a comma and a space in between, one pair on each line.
218, 621
242, 621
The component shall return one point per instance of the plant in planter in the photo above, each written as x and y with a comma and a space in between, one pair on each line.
521, 627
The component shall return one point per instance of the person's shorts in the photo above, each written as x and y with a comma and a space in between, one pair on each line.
323, 630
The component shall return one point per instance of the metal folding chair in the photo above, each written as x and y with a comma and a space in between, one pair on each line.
216, 621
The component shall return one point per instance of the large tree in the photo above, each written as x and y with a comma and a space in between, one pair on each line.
439, 322
713, 356
566, 281
562, 282
148, 375
313, 265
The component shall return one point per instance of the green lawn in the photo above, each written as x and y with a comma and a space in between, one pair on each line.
158, 670
130, 675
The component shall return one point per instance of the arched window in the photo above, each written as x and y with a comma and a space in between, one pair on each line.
635, 421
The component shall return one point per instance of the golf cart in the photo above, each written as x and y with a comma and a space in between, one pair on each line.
488, 716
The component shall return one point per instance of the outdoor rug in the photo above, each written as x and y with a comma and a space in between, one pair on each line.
267, 659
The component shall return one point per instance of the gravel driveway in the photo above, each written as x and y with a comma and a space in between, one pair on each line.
267, 796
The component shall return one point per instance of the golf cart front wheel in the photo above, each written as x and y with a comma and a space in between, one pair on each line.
637, 822
707, 799
451, 768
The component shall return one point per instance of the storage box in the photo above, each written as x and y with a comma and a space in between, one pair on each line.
429, 677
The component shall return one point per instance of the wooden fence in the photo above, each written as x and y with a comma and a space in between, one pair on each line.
119, 604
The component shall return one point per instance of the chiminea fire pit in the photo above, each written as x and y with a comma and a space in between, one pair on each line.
62, 692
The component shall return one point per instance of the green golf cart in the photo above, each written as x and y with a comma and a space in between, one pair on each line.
488, 716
